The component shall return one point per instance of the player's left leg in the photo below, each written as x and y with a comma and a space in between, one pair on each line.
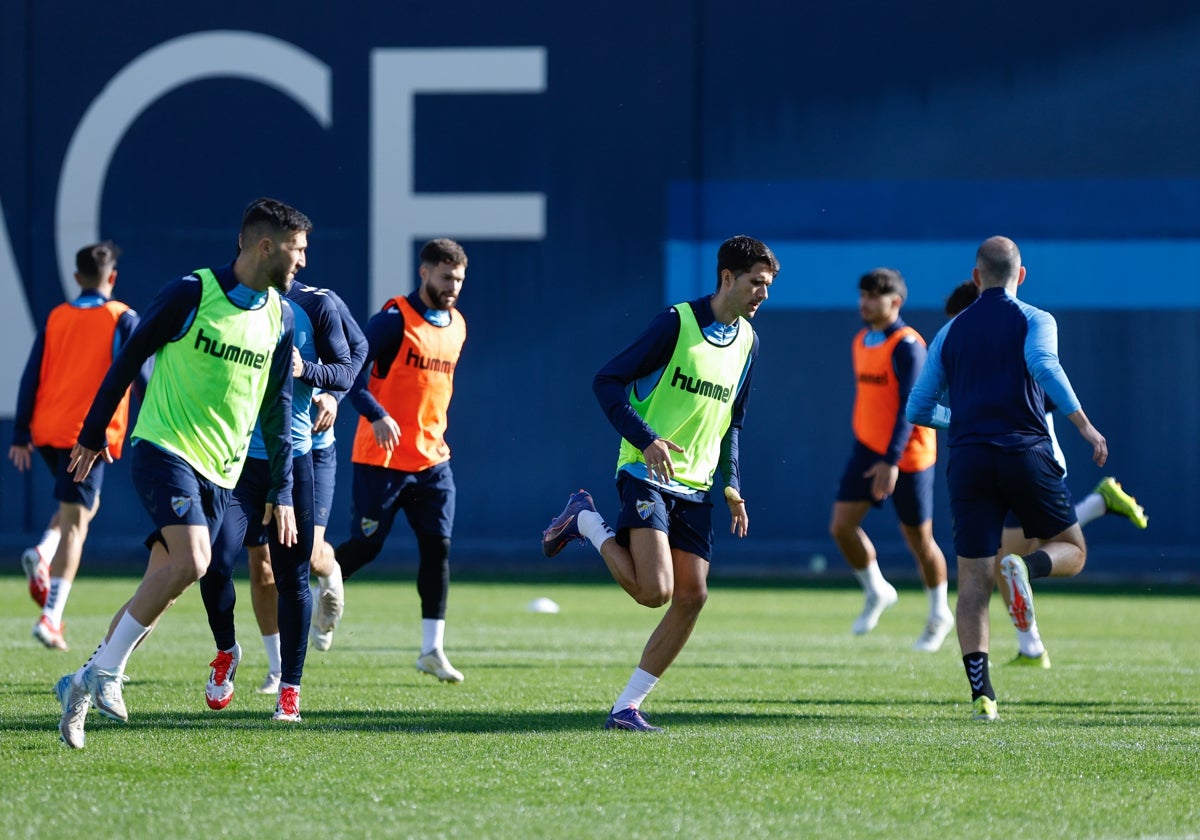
429, 504
913, 498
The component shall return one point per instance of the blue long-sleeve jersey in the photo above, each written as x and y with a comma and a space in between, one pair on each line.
993, 365
641, 365
325, 362
167, 319
358, 357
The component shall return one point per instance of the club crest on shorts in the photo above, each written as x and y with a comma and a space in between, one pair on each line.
644, 508
181, 505
368, 526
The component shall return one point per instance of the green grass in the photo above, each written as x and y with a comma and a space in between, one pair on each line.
779, 723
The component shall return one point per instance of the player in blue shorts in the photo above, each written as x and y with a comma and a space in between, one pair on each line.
690, 375
320, 359
994, 365
891, 458
1107, 497
222, 346
400, 456
70, 356
327, 605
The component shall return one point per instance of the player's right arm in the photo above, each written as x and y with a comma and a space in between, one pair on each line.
644, 358
925, 405
275, 420
167, 319
21, 451
385, 333
354, 337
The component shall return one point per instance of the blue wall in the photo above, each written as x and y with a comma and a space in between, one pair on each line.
631, 144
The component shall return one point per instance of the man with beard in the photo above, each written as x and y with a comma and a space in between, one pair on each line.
401, 460
320, 359
222, 346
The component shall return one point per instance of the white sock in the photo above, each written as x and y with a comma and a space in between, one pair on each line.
48, 544
639, 685
90, 660
334, 578
274, 662
939, 605
593, 527
56, 601
1029, 642
1090, 509
115, 653
871, 578
433, 631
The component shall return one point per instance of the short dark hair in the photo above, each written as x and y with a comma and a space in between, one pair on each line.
96, 262
883, 281
438, 251
275, 216
739, 254
964, 295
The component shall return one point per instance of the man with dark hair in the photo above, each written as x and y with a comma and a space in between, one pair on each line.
690, 373
401, 459
70, 355
320, 359
891, 458
996, 363
1107, 497
222, 346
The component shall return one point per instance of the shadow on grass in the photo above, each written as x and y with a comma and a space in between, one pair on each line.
901, 713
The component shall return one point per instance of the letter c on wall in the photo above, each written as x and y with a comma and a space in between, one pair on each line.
172, 64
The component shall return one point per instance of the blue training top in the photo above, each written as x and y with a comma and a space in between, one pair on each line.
326, 362
358, 355
995, 364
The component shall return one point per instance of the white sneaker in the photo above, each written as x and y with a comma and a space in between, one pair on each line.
219, 690
105, 690
1020, 594
436, 664
270, 684
875, 604
37, 572
936, 631
75, 701
331, 603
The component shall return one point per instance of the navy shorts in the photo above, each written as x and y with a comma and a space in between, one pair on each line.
987, 482
66, 490
173, 493
687, 522
324, 463
243, 525
426, 497
913, 496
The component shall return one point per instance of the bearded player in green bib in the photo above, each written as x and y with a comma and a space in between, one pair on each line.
222, 346
677, 396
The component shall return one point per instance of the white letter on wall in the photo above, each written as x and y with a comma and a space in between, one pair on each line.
180, 61
17, 335
399, 215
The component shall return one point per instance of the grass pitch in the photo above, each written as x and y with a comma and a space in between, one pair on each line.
779, 723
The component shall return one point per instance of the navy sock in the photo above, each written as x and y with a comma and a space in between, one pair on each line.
977, 675
1039, 565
